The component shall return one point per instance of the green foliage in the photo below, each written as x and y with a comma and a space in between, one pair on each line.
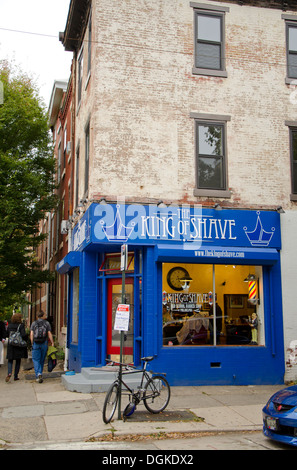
27, 183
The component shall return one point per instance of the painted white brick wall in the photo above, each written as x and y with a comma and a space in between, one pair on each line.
142, 91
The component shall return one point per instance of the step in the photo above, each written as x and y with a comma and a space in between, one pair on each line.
97, 380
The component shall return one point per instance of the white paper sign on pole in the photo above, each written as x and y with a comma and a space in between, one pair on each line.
122, 316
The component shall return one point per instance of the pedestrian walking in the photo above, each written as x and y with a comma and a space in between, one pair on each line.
40, 333
16, 353
3, 336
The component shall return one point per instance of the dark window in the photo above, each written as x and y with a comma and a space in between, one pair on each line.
211, 161
79, 77
294, 160
87, 156
77, 177
90, 44
292, 50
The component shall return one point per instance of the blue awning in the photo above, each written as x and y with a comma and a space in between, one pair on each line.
72, 260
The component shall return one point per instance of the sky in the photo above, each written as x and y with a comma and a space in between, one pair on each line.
41, 54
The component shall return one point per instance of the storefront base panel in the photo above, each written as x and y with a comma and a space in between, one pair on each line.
223, 366
74, 359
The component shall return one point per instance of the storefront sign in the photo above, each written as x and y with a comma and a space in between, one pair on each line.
194, 226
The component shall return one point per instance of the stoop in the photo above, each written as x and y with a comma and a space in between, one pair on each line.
93, 379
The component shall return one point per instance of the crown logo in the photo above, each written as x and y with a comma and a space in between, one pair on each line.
117, 231
259, 237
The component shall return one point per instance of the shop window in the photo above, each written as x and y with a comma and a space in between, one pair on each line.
192, 318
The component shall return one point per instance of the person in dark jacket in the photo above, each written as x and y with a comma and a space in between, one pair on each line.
15, 353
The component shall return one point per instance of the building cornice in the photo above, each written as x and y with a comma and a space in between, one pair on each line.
284, 5
72, 37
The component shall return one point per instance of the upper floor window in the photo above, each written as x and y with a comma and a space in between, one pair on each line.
293, 138
291, 43
79, 76
292, 125
209, 40
87, 157
292, 50
90, 44
211, 155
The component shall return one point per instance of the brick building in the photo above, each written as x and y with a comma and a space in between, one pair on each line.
184, 149
52, 297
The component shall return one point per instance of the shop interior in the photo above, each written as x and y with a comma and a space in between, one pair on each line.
190, 317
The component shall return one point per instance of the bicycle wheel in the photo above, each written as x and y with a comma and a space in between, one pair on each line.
156, 394
110, 402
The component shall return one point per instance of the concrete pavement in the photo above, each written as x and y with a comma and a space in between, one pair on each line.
35, 414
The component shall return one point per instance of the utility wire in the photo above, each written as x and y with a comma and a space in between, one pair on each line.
139, 47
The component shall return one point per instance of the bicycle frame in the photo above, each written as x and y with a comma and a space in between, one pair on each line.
149, 387
145, 375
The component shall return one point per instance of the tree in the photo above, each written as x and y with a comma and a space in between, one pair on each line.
27, 183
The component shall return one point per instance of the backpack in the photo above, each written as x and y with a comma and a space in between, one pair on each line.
39, 331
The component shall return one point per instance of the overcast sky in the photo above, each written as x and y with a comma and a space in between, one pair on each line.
41, 56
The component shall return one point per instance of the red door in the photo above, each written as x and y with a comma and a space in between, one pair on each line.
114, 297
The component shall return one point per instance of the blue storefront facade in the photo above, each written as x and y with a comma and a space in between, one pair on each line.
203, 286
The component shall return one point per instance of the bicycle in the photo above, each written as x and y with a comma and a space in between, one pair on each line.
154, 391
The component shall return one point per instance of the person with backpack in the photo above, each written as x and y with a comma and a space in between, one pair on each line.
40, 333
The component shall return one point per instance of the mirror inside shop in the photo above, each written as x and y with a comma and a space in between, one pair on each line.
192, 318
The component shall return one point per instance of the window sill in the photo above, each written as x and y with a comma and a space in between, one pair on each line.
210, 72
291, 81
293, 197
212, 193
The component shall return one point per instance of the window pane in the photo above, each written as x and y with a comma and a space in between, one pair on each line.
210, 173
210, 140
294, 146
208, 56
292, 65
294, 178
292, 39
209, 28
294, 162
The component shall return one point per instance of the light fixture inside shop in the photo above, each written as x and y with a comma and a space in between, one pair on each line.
185, 282
250, 277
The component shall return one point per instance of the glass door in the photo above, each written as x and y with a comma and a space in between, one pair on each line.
114, 288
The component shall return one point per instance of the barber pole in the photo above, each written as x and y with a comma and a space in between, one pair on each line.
253, 292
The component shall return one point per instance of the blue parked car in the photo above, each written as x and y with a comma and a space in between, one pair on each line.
280, 416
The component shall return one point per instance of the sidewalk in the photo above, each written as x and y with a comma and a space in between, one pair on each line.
34, 413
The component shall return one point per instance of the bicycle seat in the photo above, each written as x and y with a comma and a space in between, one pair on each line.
147, 359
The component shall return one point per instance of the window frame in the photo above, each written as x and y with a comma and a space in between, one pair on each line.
80, 65
200, 9
290, 21
290, 24
87, 158
293, 164
211, 120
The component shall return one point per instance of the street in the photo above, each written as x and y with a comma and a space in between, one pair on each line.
252, 440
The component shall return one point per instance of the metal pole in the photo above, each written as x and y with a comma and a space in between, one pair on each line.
121, 343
